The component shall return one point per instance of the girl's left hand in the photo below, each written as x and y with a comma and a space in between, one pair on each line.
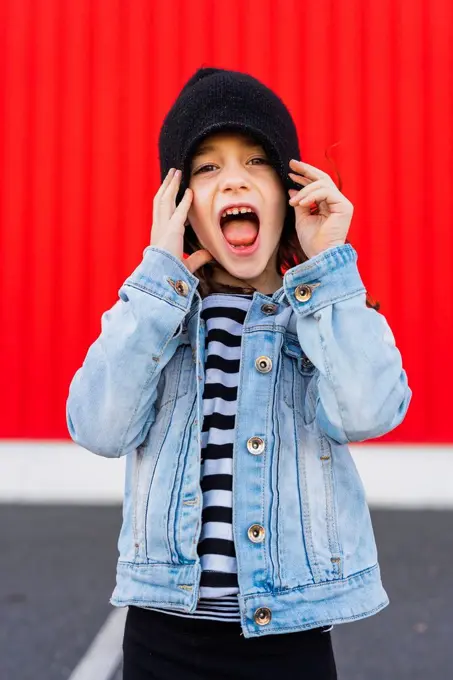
323, 213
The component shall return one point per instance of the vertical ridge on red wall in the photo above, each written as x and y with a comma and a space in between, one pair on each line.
436, 234
15, 52
73, 283
39, 370
84, 87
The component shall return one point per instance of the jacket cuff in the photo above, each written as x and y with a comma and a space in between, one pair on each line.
161, 274
330, 276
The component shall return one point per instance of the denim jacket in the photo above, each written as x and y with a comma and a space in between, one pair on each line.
319, 369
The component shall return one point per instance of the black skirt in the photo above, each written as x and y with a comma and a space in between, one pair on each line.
160, 646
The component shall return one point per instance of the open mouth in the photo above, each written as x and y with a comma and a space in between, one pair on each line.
240, 229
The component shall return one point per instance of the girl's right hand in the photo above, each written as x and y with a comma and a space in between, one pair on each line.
169, 222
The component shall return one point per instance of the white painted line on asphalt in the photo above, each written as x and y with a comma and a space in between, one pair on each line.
394, 476
103, 657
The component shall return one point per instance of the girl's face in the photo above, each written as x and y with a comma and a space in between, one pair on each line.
230, 168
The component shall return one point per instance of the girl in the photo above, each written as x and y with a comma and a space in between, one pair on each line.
234, 381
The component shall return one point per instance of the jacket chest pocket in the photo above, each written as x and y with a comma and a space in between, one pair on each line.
177, 377
297, 371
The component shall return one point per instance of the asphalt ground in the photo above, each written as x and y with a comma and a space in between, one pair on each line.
57, 572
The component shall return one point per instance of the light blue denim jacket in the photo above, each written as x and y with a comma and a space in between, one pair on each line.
319, 369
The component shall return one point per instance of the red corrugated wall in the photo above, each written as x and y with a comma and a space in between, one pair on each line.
84, 87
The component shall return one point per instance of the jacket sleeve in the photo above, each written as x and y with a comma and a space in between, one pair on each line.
360, 388
110, 406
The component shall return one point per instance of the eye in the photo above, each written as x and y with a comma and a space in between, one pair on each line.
203, 167
210, 165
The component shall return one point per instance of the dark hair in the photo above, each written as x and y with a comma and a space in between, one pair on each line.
289, 255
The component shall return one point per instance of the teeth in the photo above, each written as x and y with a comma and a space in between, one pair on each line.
236, 211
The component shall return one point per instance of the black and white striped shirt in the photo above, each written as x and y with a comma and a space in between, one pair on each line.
224, 314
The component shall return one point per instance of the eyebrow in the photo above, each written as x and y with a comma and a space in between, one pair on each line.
205, 148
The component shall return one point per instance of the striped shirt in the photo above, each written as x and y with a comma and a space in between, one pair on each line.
224, 314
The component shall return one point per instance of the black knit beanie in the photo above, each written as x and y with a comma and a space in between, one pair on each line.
215, 99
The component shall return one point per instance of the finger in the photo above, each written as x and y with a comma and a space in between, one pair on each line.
307, 170
173, 185
197, 260
162, 207
167, 203
166, 182
299, 179
157, 202
311, 187
322, 194
180, 214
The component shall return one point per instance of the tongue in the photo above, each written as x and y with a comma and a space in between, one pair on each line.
240, 232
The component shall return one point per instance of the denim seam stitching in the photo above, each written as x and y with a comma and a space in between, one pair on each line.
322, 584
306, 523
342, 258
315, 307
155, 294
332, 534
331, 621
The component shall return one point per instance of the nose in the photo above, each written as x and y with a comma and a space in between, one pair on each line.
234, 177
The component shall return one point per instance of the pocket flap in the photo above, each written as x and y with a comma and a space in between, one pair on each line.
291, 347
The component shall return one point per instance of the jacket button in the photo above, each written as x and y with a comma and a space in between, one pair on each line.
255, 445
306, 363
256, 533
263, 364
180, 287
262, 616
268, 308
303, 293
